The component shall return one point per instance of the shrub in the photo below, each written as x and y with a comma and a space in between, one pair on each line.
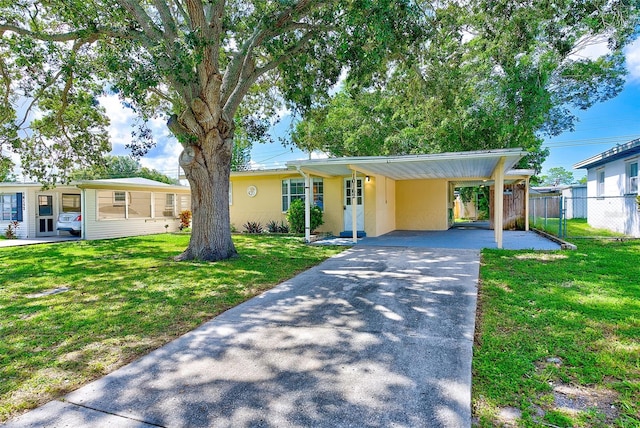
283, 227
185, 219
11, 231
252, 227
295, 216
272, 226
275, 227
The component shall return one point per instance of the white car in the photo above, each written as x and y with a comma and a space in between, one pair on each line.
70, 222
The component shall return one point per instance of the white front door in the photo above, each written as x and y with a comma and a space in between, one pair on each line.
349, 188
45, 218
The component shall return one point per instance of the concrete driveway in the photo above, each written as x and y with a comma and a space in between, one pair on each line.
374, 337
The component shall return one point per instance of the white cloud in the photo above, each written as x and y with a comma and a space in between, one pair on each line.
163, 157
632, 54
316, 154
591, 48
120, 119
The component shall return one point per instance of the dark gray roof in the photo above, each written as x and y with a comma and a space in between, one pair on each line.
618, 152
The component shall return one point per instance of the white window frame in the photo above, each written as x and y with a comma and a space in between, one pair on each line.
600, 178
11, 204
119, 198
317, 183
632, 179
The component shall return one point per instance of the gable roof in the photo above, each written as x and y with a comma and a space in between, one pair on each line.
618, 152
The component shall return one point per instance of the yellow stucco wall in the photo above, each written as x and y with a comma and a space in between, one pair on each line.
333, 206
422, 204
380, 206
266, 205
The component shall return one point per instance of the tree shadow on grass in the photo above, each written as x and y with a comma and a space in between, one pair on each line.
372, 337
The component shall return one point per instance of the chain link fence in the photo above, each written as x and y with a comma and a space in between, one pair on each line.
586, 217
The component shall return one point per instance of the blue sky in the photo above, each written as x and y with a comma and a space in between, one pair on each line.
600, 128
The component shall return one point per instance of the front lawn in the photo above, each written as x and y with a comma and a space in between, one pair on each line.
115, 300
558, 337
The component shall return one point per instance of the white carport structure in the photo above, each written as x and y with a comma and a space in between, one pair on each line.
488, 167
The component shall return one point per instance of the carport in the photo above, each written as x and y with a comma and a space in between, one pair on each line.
417, 190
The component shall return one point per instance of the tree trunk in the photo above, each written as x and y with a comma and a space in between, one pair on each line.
207, 166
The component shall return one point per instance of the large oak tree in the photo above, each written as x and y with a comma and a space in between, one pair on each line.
195, 61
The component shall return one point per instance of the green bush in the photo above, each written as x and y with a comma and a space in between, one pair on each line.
253, 227
275, 227
295, 216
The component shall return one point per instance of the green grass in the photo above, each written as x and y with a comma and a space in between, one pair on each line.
575, 228
580, 306
125, 298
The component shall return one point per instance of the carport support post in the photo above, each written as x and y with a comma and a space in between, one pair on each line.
498, 194
307, 205
354, 211
526, 204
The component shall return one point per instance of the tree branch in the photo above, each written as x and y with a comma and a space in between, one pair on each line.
142, 18
168, 22
241, 89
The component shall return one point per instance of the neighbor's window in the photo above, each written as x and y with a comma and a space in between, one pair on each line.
600, 181
120, 198
293, 189
71, 202
165, 205
184, 203
632, 177
111, 205
139, 205
11, 207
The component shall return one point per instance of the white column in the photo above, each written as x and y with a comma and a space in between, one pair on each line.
526, 204
307, 208
354, 209
498, 204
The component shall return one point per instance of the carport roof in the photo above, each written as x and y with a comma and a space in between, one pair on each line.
457, 166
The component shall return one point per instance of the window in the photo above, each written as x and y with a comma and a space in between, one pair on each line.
119, 198
184, 203
632, 177
11, 207
139, 205
165, 205
349, 191
600, 181
70, 203
110, 205
293, 189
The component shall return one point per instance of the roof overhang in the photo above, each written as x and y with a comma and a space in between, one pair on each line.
618, 152
133, 184
459, 167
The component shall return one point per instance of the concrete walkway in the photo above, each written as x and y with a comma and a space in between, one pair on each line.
33, 241
373, 337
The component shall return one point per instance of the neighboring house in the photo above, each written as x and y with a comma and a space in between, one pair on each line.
375, 195
612, 188
546, 200
110, 208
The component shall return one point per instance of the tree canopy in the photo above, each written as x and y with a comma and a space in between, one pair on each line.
193, 62
488, 74
120, 167
6, 169
557, 176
